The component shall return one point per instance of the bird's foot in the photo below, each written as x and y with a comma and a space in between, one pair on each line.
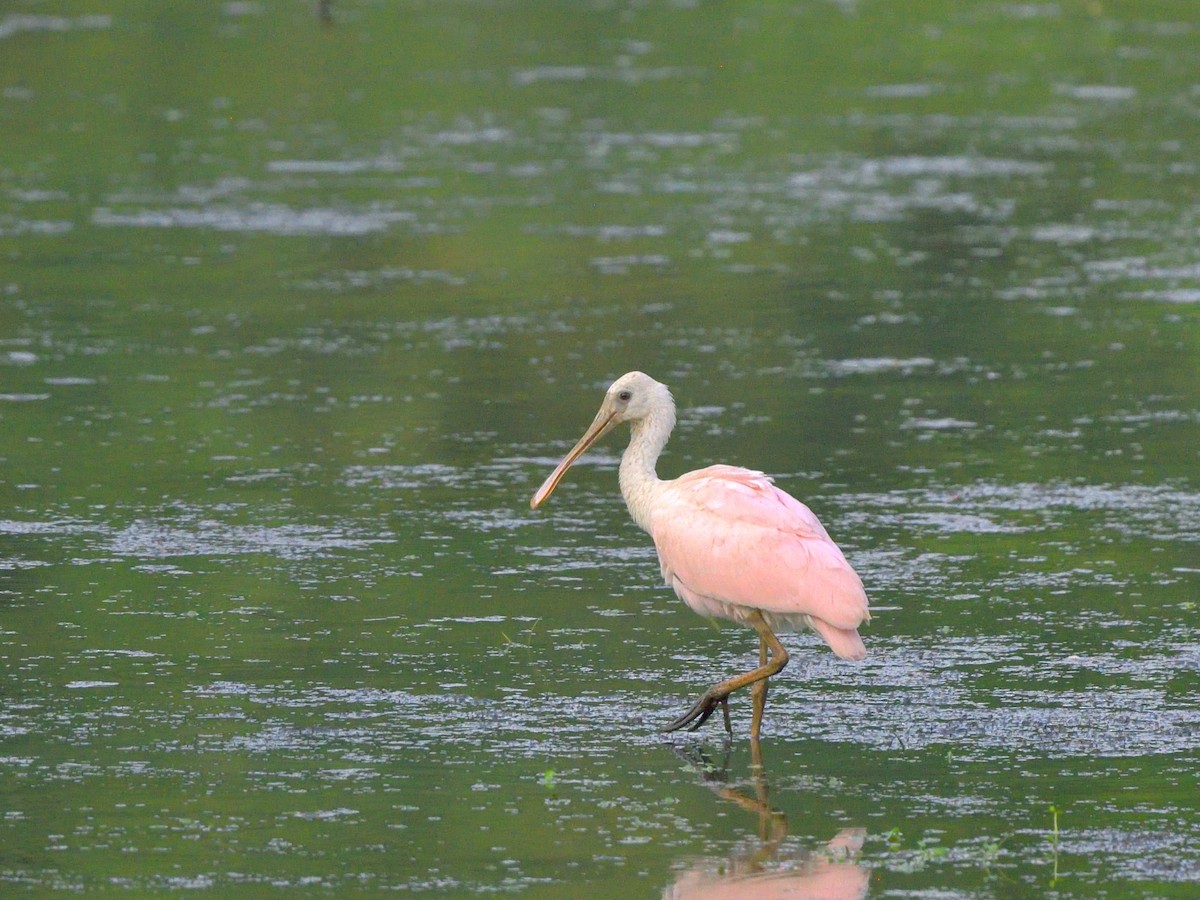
703, 708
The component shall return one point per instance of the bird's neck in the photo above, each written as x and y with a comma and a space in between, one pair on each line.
639, 480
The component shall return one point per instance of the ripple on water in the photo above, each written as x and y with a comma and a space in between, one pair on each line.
1160, 854
1161, 511
913, 699
263, 217
907, 695
334, 166
942, 424
873, 365
149, 539
628, 74
359, 279
1107, 93
956, 166
60, 526
620, 265
1172, 295
406, 477
10, 227
16, 24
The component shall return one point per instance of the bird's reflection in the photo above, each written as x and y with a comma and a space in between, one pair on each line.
768, 869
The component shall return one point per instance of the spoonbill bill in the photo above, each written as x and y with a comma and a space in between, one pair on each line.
731, 544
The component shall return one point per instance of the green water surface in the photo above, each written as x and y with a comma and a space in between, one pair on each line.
295, 314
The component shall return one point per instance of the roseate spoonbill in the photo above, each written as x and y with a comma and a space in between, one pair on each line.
730, 543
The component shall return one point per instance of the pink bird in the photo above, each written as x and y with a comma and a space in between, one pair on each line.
730, 543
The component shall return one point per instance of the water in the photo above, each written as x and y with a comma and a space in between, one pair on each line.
295, 316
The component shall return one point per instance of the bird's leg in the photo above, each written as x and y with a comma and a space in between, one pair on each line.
719, 693
758, 694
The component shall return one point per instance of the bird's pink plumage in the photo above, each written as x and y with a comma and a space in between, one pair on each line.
729, 540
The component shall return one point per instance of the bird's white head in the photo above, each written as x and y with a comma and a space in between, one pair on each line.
634, 397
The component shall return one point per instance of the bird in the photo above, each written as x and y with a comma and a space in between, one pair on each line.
730, 543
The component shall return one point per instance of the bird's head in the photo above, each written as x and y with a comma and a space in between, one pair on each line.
634, 397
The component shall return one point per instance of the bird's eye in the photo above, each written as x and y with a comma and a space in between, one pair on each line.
625, 396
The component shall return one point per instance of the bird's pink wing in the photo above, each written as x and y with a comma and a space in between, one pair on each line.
730, 535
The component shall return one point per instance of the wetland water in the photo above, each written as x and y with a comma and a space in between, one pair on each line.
294, 318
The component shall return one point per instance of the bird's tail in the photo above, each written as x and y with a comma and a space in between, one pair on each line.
845, 642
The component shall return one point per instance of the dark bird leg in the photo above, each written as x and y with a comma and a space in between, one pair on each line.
718, 694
